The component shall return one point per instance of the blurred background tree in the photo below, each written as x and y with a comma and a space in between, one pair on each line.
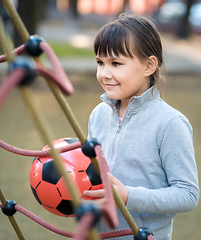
184, 28
36, 10
73, 8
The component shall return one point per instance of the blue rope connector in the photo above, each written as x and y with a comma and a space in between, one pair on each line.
143, 234
9, 208
32, 47
88, 147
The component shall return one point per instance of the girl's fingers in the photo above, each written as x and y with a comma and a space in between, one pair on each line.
95, 193
100, 201
121, 189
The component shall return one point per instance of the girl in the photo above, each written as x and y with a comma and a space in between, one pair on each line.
147, 143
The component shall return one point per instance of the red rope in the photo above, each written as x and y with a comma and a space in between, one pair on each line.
60, 82
19, 50
59, 76
83, 225
10, 82
62, 79
106, 235
151, 237
43, 223
37, 153
110, 211
65, 233
118, 233
15, 77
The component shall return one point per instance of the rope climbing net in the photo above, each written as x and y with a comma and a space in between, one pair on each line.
22, 70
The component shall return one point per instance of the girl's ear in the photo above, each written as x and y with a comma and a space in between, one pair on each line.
151, 66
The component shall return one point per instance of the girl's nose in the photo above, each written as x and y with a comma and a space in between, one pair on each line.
106, 73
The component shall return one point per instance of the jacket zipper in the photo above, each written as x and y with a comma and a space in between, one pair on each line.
111, 162
119, 128
113, 146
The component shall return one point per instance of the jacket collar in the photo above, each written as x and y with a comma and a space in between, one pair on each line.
137, 102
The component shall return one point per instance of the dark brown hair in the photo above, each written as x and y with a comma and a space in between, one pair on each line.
131, 35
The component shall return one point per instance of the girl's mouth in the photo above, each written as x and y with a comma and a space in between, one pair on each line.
111, 85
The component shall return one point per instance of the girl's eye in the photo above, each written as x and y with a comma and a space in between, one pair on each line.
116, 64
100, 63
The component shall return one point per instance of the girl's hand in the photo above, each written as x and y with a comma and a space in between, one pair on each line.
121, 189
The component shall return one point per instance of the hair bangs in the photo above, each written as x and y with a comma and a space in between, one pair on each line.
113, 39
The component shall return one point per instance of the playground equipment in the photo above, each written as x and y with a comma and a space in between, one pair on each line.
22, 72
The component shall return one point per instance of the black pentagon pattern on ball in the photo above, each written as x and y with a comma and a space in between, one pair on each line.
49, 173
93, 175
66, 207
71, 140
36, 195
34, 159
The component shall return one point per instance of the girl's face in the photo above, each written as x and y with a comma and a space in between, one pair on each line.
122, 77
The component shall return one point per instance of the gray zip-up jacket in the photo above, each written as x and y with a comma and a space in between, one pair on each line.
152, 153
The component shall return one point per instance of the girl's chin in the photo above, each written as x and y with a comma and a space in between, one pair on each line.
112, 96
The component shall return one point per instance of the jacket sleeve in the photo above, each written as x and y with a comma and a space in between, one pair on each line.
89, 125
178, 162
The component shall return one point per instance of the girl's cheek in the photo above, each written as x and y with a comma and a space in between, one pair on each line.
98, 76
